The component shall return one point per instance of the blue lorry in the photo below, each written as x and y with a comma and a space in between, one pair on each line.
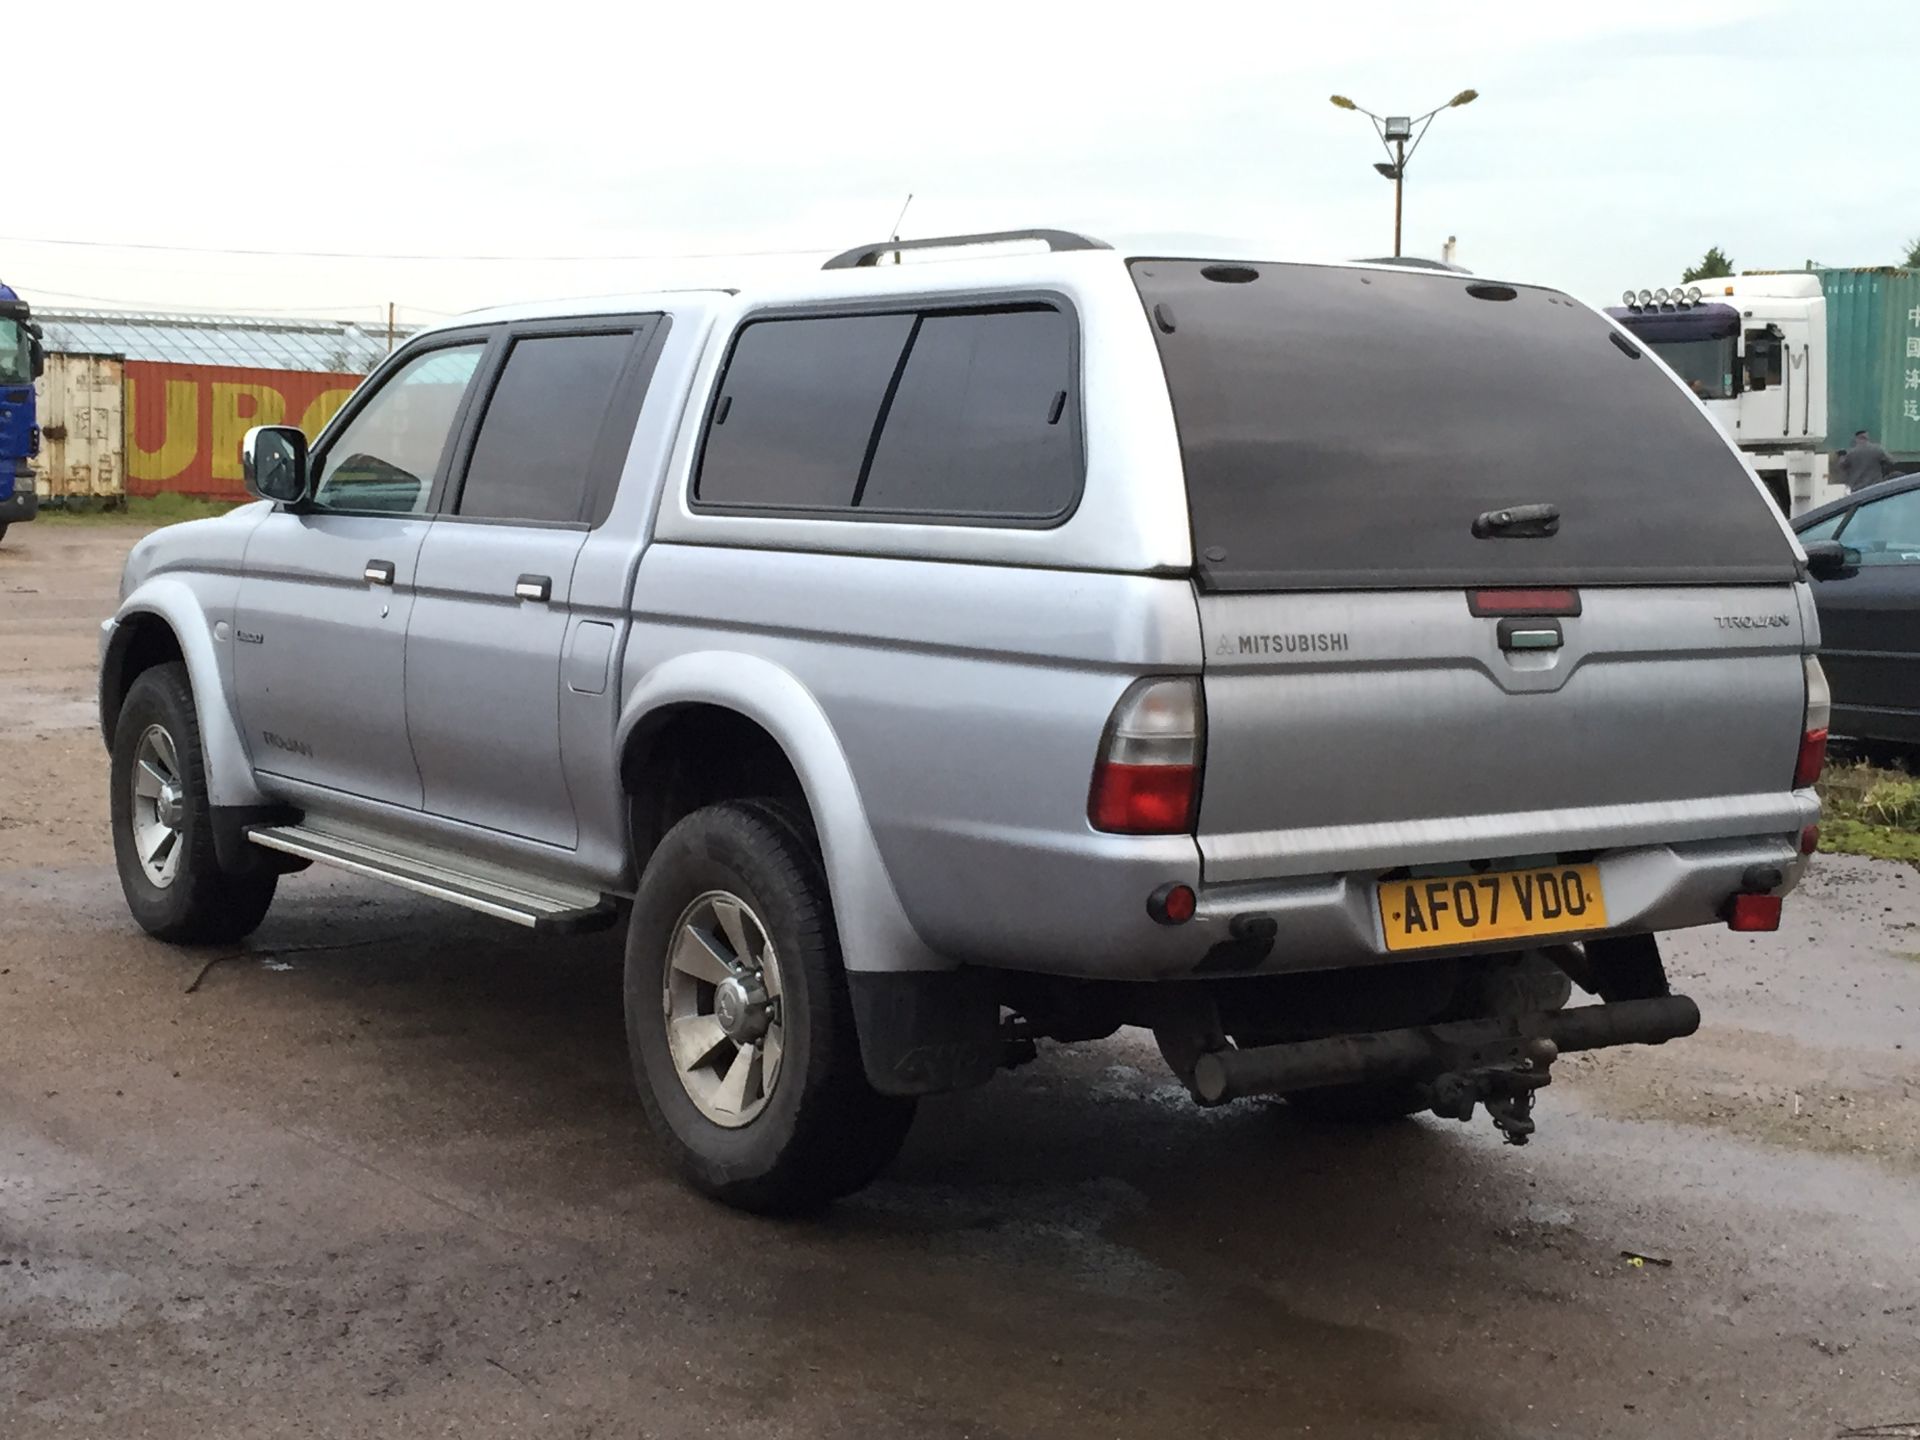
22, 358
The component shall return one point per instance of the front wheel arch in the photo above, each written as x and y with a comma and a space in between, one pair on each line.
178, 606
140, 641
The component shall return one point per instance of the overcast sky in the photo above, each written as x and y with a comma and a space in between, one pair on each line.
1610, 145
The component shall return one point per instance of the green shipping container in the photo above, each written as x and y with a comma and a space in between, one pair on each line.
1873, 363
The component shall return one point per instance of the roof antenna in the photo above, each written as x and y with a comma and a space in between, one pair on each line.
895, 233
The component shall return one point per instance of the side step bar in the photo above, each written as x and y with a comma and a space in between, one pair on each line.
1428, 1051
541, 906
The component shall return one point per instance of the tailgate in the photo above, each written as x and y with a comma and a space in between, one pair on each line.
1370, 730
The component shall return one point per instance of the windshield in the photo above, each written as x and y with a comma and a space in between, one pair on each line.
1347, 428
1706, 365
16, 359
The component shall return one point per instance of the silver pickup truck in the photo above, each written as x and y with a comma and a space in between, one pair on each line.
1325, 666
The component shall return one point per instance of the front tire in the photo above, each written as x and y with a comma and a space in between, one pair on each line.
163, 825
739, 1023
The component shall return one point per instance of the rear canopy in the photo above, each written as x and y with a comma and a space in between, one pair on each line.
1344, 428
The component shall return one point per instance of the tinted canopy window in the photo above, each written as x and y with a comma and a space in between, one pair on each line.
964, 413
797, 408
980, 423
534, 454
1345, 428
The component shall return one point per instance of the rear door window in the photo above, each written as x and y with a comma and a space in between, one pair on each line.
534, 455
1344, 428
981, 422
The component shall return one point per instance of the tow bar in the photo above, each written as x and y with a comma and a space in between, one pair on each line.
1498, 1062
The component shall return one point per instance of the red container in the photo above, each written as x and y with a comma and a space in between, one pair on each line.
185, 422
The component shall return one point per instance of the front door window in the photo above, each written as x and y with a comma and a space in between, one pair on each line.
385, 460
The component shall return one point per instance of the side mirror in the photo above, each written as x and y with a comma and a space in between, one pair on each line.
1830, 560
273, 461
38, 357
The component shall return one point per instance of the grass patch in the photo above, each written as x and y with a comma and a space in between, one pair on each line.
1870, 810
142, 510
1877, 842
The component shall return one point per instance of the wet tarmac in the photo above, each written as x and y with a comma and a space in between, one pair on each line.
380, 1172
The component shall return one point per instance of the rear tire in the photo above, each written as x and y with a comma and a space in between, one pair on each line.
163, 826
759, 1095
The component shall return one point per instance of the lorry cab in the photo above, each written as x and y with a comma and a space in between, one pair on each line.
1752, 349
21, 360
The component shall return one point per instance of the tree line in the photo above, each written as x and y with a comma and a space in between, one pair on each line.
1714, 265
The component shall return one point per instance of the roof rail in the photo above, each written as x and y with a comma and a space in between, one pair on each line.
862, 256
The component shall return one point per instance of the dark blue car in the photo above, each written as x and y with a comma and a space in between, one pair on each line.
1870, 609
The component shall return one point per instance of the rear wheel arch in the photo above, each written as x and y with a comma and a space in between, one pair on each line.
686, 756
769, 709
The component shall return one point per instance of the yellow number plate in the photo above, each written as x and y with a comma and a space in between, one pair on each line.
1498, 905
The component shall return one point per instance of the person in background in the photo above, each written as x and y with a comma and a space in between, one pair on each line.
1864, 463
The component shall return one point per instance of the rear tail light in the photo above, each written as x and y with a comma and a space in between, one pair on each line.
1146, 779
1813, 729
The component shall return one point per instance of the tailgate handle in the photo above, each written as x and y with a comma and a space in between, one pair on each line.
1517, 522
1537, 633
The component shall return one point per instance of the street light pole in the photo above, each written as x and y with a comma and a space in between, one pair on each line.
1399, 139
1399, 190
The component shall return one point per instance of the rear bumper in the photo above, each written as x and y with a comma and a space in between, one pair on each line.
1332, 921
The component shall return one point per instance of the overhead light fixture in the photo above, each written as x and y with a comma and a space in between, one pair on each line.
1629, 298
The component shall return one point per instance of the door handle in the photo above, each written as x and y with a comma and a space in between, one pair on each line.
533, 587
379, 572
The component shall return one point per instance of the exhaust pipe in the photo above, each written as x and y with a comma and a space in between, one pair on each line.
1427, 1051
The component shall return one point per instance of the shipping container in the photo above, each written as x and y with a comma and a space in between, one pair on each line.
185, 422
82, 431
192, 384
1873, 367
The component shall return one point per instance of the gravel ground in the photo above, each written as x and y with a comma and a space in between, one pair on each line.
380, 1172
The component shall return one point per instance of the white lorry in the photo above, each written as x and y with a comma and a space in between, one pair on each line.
1754, 349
